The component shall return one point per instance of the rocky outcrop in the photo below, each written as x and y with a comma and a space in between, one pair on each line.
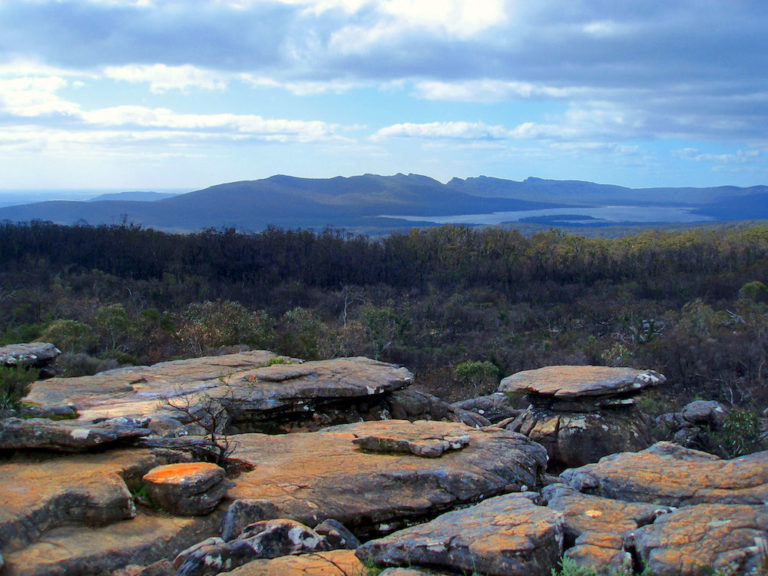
696, 425
506, 535
315, 476
334, 563
34, 354
256, 396
671, 475
410, 404
186, 489
582, 413
494, 407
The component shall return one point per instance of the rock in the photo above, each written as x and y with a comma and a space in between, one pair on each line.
567, 382
35, 354
495, 407
337, 535
38, 496
186, 489
67, 436
704, 539
598, 531
671, 475
87, 551
705, 413
505, 535
334, 563
267, 539
577, 438
410, 404
257, 397
432, 447
312, 477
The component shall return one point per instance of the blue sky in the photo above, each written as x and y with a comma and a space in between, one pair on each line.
151, 94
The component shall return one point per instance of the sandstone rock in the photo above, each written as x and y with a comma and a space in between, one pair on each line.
672, 475
705, 413
505, 535
36, 354
312, 477
704, 539
410, 404
38, 496
577, 438
431, 447
337, 535
78, 551
495, 407
334, 563
598, 530
257, 397
267, 539
186, 489
68, 436
568, 382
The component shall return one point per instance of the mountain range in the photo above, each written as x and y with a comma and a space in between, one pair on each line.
373, 203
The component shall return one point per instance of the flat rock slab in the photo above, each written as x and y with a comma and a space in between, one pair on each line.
38, 496
704, 539
334, 563
672, 475
186, 489
568, 382
243, 384
505, 535
66, 435
29, 354
311, 477
80, 551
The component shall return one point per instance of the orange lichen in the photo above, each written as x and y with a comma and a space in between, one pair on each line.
172, 473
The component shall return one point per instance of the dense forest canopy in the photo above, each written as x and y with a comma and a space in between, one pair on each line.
459, 306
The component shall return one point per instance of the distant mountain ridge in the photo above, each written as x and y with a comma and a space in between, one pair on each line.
371, 202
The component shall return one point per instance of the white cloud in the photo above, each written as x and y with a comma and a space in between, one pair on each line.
34, 96
490, 90
162, 78
442, 130
739, 157
303, 88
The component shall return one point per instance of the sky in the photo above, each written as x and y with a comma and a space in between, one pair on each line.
154, 95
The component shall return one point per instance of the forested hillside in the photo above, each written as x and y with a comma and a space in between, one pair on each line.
459, 306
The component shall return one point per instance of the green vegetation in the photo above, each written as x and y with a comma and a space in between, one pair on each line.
459, 306
14, 381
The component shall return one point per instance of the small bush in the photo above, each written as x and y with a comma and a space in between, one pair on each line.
14, 385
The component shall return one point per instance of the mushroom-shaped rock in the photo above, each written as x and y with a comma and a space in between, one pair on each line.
186, 489
35, 354
506, 535
568, 382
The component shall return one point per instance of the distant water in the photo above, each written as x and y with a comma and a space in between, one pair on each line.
596, 215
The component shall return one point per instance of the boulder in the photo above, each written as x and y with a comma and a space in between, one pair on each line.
410, 404
186, 489
571, 382
334, 563
505, 535
311, 477
337, 535
267, 539
35, 354
705, 413
432, 447
66, 435
671, 475
495, 407
582, 413
705, 539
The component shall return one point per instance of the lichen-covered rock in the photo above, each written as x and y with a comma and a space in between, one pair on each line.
66, 435
186, 489
495, 407
38, 496
333, 563
267, 539
432, 447
312, 477
337, 535
569, 382
672, 475
410, 404
505, 535
598, 530
36, 354
704, 539
705, 413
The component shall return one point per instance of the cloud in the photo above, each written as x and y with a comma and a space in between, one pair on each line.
162, 78
301, 88
738, 157
34, 96
442, 131
490, 90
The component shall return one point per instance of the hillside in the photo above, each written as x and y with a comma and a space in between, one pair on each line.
373, 203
